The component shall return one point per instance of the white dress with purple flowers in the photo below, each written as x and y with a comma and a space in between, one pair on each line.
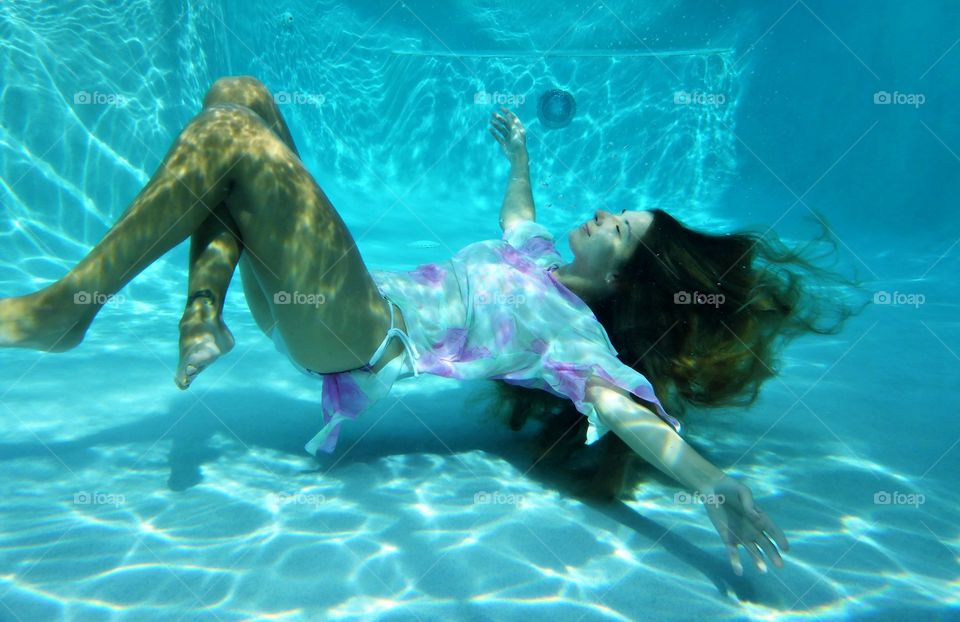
494, 311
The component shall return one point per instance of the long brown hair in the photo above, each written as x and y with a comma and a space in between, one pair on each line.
704, 318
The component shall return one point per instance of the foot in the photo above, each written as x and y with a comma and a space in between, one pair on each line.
203, 339
34, 322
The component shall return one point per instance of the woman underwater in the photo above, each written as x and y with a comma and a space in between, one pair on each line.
508, 310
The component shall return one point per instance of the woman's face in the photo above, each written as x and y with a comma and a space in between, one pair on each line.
604, 243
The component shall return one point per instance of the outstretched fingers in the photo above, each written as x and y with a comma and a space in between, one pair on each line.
732, 541
509, 114
769, 550
757, 531
767, 530
500, 130
501, 125
766, 524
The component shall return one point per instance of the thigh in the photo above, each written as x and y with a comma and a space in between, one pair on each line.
256, 299
253, 94
318, 289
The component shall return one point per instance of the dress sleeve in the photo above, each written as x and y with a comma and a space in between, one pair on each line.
569, 363
534, 240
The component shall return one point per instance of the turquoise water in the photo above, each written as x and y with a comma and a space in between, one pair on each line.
125, 498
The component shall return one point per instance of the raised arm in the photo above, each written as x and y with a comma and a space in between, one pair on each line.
518, 201
729, 503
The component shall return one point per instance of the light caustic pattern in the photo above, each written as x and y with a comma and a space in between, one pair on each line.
428, 510
385, 131
92, 99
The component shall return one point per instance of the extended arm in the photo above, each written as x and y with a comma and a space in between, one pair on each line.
652, 439
729, 503
518, 201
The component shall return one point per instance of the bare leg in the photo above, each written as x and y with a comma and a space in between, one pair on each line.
216, 248
204, 337
171, 206
227, 154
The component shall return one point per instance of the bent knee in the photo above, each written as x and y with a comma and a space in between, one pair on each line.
243, 90
226, 131
229, 116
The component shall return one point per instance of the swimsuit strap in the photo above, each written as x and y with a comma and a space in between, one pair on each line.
411, 350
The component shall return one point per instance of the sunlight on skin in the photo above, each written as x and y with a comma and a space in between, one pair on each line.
737, 518
651, 438
226, 155
163, 214
600, 247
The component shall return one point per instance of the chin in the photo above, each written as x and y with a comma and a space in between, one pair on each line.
573, 240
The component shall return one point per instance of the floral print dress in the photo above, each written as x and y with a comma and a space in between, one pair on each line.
494, 311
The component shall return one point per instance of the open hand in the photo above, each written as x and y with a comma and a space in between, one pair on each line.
739, 521
507, 130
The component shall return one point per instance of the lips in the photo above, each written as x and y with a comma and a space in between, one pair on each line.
586, 228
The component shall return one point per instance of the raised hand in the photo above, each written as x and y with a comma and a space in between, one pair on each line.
507, 130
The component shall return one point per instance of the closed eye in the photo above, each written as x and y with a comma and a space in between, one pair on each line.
597, 220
